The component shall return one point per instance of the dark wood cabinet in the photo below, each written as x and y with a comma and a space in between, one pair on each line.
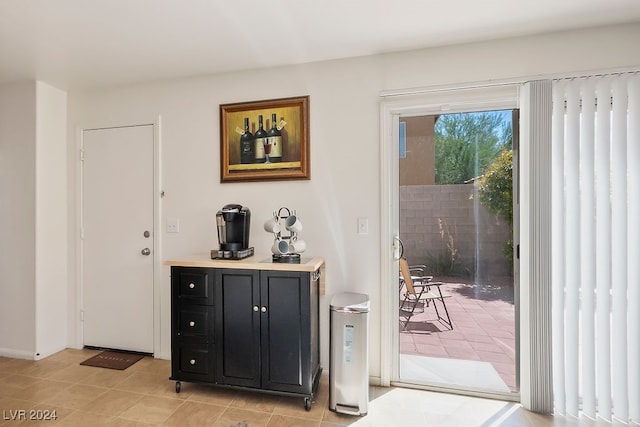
247, 328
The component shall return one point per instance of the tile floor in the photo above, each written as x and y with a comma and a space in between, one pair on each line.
483, 328
143, 395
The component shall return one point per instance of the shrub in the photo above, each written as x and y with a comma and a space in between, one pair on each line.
495, 191
495, 187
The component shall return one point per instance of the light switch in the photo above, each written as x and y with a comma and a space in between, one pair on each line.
173, 225
363, 226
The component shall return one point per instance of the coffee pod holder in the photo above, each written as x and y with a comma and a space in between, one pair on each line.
285, 226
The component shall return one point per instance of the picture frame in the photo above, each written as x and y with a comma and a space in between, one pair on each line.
245, 157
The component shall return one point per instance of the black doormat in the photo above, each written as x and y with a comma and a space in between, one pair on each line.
112, 360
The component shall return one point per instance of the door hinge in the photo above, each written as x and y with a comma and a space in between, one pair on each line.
82, 315
82, 154
81, 233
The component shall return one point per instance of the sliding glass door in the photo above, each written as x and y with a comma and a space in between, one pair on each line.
456, 228
450, 157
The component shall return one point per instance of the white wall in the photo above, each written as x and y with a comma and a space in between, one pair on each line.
51, 220
33, 220
344, 123
17, 219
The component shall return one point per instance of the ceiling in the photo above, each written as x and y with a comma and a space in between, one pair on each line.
84, 43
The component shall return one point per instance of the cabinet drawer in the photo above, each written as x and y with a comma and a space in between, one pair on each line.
195, 321
194, 284
192, 362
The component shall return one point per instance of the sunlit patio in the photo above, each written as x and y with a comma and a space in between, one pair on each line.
483, 318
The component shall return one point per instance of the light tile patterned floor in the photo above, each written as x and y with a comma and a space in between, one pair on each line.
142, 395
483, 328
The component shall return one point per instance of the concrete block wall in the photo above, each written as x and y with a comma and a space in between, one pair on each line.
433, 216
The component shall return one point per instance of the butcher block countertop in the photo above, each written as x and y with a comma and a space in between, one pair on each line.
255, 262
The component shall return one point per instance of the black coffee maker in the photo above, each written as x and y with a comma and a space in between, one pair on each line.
233, 222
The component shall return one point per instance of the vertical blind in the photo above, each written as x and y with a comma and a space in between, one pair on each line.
596, 246
535, 254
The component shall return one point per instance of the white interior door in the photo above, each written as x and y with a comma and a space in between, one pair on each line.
117, 243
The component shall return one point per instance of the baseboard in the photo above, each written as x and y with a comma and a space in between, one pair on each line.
374, 381
163, 355
17, 354
43, 354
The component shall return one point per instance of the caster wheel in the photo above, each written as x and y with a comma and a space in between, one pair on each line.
307, 403
178, 386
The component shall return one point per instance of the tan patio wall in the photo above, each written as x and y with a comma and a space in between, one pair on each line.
421, 208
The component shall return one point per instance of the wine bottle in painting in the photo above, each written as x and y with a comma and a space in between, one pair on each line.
260, 136
275, 139
247, 146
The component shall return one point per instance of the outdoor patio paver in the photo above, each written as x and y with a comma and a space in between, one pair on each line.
483, 328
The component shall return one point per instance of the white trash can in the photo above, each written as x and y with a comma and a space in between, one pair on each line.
349, 354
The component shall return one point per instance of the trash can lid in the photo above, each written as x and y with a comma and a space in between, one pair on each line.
350, 301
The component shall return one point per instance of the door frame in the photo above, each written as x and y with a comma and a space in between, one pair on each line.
393, 105
77, 324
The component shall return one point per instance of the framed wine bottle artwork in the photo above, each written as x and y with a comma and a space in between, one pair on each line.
265, 140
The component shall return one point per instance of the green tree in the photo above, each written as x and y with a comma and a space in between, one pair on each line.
466, 144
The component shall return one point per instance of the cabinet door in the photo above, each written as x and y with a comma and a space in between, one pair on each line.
237, 327
286, 331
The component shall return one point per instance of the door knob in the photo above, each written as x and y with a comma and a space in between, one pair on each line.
146, 251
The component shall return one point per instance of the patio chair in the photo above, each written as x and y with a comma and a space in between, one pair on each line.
419, 292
